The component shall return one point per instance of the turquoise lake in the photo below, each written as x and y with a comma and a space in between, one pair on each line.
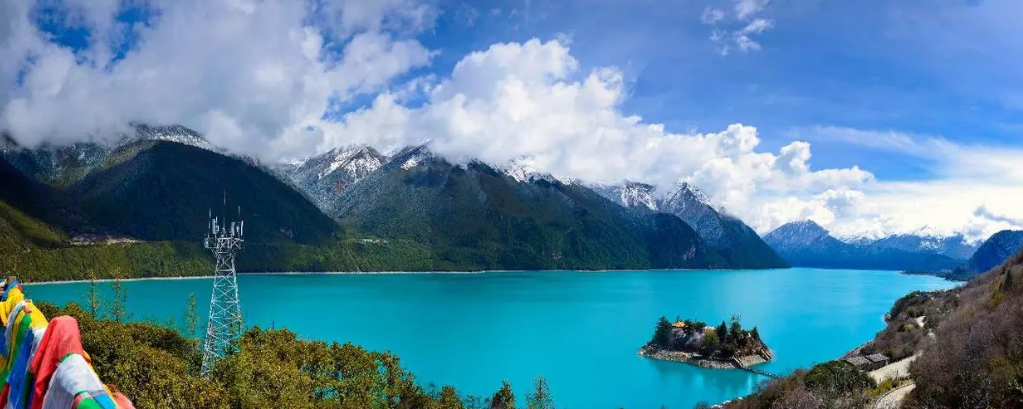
580, 330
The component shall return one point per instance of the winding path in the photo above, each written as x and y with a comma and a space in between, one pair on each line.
893, 399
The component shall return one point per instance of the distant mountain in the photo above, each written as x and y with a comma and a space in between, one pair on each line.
325, 177
995, 250
954, 246
480, 217
807, 244
734, 240
803, 237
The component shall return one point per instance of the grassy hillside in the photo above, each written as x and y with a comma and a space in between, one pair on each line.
24, 205
19, 232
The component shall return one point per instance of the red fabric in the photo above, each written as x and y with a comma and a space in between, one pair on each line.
122, 401
61, 338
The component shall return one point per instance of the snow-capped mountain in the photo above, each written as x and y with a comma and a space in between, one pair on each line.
480, 216
801, 235
721, 231
995, 250
521, 170
806, 244
64, 164
693, 206
629, 194
326, 176
169, 133
954, 246
923, 240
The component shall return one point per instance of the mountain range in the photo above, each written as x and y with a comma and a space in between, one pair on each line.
151, 189
478, 216
355, 208
807, 244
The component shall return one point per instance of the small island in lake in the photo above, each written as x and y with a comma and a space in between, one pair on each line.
694, 342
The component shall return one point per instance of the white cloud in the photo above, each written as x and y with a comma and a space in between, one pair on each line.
530, 100
712, 15
747, 8
742, 36
257, 77
246, 73
973, 189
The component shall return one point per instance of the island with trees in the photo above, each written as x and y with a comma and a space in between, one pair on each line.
723, 347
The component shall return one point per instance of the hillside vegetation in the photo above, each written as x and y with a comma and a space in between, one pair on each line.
970, 346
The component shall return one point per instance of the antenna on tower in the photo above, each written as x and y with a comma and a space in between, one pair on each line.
225, 322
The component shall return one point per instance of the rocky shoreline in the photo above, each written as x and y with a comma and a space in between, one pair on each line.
701, 361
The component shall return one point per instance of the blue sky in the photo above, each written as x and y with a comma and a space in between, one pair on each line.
851, 64
855, 114
823, 63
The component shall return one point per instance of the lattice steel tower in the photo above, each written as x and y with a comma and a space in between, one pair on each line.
225, 323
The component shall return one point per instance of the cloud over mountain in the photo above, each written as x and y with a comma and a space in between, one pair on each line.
283, 79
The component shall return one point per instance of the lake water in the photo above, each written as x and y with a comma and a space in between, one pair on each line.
580, 330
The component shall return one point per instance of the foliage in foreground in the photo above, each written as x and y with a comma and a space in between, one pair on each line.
157, 367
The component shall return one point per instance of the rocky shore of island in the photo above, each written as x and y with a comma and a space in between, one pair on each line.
695, 343
702, 361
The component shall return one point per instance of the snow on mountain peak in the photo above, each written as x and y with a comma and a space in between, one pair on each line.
697, 193
635, 194
803, 228
685, 195
169, 133
932, 232
522, 170
355, 160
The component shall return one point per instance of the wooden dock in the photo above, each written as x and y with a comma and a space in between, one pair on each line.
760, 372
748, 363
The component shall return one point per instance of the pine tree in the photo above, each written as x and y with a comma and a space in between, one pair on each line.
541, 396
662, 333
118, 310
191, 318
95, 302
504, 398
722, 331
